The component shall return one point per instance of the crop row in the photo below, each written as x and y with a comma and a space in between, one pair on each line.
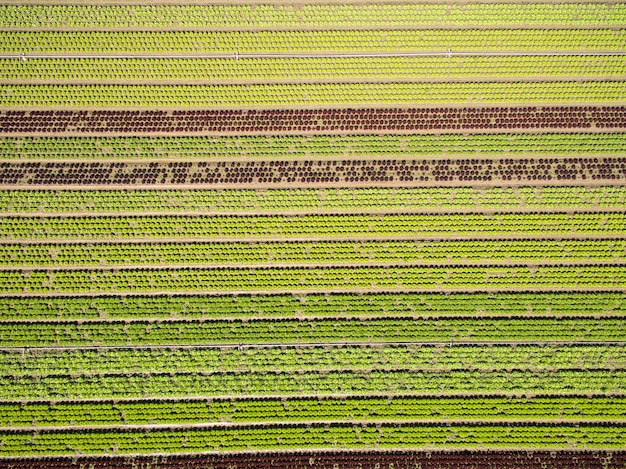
319, 252
344, 121
338, 459
289, 436
301, 409
187, 16
329, 227
330, 305
290, 331
52, 363
333, 173
311, 146
296, 69
275, 42
296, 279
315, 94
303, 200
361, 382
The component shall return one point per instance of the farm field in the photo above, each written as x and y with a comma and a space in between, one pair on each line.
261, 234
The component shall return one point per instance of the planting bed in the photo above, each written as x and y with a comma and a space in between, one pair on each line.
300, 121
269, 235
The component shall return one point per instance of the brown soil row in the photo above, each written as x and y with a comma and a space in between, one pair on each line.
303, 121
315, 173
341, 459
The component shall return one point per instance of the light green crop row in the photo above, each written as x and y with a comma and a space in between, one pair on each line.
505, 278
309, 16
221, 228
227, 70
364, 200
51, 363
198, 411
360, 382
312, 305
257, 42
290, 331
312, 94
314, 253
228, 438
316, 146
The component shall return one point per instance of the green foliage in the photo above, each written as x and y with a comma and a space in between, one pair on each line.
258, 70
312, 94
163, 16
324, 146
345, 226
531, 304
307, 409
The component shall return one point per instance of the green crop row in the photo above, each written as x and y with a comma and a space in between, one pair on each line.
218, 280
312, 226
51, 363
360, 382
315, 146
314, 253
181, 71
338, 435
373, 199
305, 409
309, 16
290, 331
330, 305
312, 94
256, 42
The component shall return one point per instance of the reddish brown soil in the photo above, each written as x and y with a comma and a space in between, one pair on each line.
312, 121
341, 460
314, 173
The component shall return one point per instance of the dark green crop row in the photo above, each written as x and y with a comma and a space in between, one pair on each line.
290, 331
51, 363
338, 435
363, 200
331, 305
307, 409
325, 382
317, 146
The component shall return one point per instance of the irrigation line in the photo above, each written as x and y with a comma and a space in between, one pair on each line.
237, 55
242, 347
